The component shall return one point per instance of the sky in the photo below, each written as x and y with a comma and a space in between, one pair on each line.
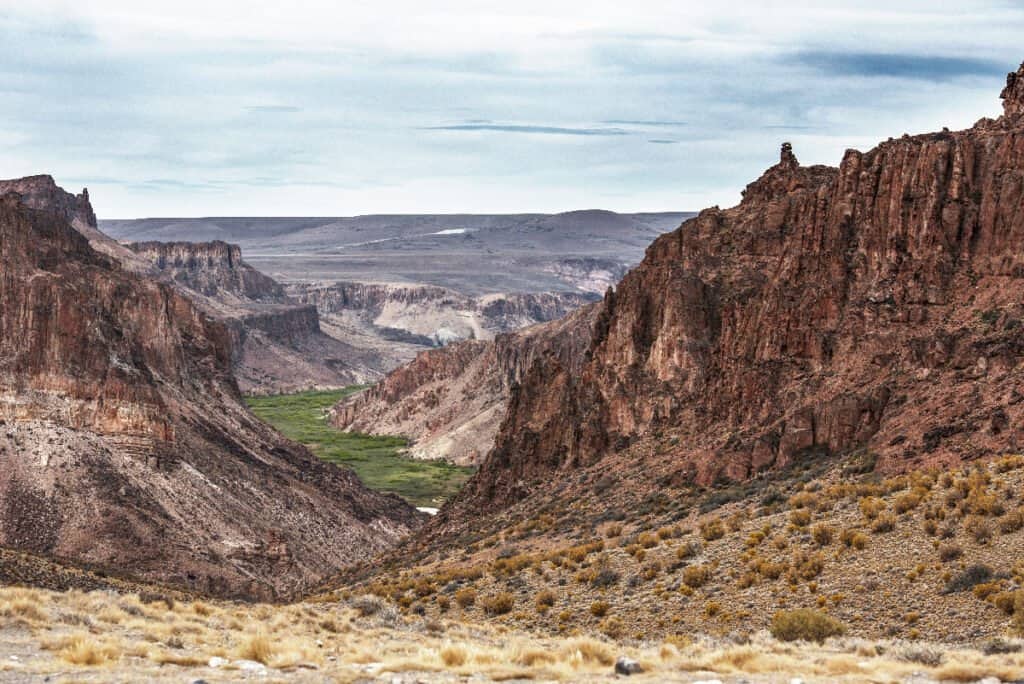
346, 107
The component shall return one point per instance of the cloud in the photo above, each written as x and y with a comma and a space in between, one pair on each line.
539, 130
273, 109
896, 65
645, 122
660, 141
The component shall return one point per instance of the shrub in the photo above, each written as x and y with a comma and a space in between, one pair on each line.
688, 550
647, 540
770, 570
1011, 522
613, 530
801, 517
604, 577
822, 534
1005, 601
612, 627
886, 522
949, 552
969, 578
712, 529
805, 624
545, 599
985, 589
808, 565
465, 597
907, 502
871, 507
854, 539
804, 500
499, 604
979, 529
695, 576
599, 608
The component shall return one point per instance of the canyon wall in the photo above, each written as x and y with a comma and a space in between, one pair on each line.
278, 344
124, 443
450, 402
875, 306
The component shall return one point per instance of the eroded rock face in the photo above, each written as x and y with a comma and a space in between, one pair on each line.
123, 440
450, 401
211, 268
872, 306
278, 344
433, 316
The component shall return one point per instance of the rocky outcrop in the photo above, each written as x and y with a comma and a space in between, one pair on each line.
124, 444
210, 268
278, 344
434, 316
873, 306
449, 402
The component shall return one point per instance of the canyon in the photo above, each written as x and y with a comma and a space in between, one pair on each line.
873, 308
125, 445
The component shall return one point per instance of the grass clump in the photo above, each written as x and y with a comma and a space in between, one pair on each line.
805, 624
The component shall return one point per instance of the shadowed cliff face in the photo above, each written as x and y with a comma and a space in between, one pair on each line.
875, 306
123, 440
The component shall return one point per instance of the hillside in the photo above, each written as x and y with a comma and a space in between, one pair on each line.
450, 402
806, 400
126, 446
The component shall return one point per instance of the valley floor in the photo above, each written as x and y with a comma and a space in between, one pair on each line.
380, 462
107, 637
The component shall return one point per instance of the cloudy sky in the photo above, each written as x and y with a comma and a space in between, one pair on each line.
342, 107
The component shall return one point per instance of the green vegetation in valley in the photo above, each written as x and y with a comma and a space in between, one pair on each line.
379, 461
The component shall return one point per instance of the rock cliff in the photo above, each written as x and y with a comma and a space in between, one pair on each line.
123, 440
449, 402
875, 306
214, 269
278, 344
428, 315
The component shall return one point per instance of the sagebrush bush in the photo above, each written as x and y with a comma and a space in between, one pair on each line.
801, 517
1011, 522
979, 528
822, 534
599, 608
805, 624
696, 576
545, 599
465, 597
969, 578
948, 552
871, 507
499, 604
711, 530
885, 522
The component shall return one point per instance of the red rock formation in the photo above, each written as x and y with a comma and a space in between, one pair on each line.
875, 306
123, 440
450, 401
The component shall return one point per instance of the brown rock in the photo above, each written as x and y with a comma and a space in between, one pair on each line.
871, 306
126, 445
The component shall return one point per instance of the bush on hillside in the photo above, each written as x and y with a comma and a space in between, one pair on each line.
805, 624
